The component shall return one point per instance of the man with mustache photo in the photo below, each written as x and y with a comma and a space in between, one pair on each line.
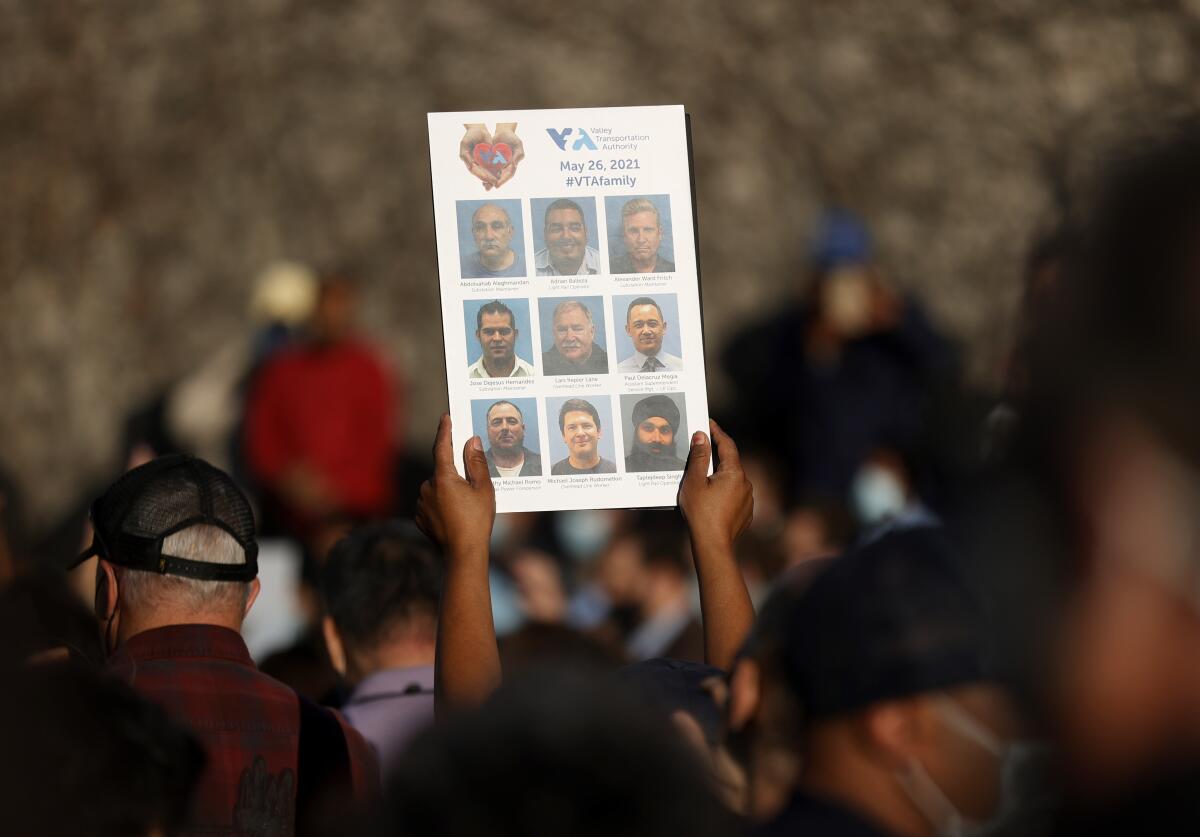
575, 350
655, 425
494, 256
507, 455
567, 252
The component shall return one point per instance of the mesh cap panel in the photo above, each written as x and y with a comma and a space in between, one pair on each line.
889, 619
169, 494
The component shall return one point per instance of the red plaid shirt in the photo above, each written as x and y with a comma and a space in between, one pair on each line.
204, 677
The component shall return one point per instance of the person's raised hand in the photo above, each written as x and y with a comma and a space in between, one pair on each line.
458, 513
476, 133
506, 132
717, 508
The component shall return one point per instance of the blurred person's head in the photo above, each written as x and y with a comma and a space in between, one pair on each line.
85, 755
841, 264
381, 585
540, 644
43, 620
885, 657
1110, 433
554, 752
175, 542
761, 712
284, 293
493, 232
816, 527
566, 235
646, 568
574, 330
333, 317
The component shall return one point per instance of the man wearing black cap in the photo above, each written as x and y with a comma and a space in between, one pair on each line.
176, 575
901, 730
655, 423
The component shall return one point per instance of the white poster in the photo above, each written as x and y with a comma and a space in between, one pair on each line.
570, 301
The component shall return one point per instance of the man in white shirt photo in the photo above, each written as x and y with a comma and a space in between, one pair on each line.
496, 331
646, 327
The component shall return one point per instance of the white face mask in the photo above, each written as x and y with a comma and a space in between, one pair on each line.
924, 792
877, 494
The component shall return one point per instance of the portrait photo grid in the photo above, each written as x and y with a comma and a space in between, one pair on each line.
570, 302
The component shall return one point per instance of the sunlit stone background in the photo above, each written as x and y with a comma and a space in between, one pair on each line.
154, 156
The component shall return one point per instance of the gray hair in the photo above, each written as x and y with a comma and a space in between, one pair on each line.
146, 590
567, 305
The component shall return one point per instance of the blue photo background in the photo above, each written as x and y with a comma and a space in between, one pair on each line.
616, 240
537, 220
667, 303
520, 309
528, 408
558, 448
595, 304
466, 241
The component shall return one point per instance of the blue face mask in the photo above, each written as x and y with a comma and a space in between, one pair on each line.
583, 533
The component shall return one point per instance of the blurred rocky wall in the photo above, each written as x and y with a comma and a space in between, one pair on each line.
154, 156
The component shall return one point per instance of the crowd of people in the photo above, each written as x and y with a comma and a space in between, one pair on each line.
890, 607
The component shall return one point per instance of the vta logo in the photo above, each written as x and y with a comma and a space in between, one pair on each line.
582, 141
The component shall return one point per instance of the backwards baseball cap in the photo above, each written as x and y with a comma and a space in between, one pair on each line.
149, 503
887, 620
656, 405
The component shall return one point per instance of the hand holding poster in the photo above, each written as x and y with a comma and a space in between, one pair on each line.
570, 301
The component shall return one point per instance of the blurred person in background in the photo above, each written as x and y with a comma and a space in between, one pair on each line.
554, 752
838, 371
648, 587
321, 425
43, 620
86, 756
902, 729
176, 574
1099, 499
204, 409
381, 585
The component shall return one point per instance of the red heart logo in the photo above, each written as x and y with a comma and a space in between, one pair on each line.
492, 157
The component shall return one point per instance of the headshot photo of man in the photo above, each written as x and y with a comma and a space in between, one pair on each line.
497, 336
648, 329
509, 444
583, 437
565, 245
491, 241
570, 332
639, 239
657, 421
